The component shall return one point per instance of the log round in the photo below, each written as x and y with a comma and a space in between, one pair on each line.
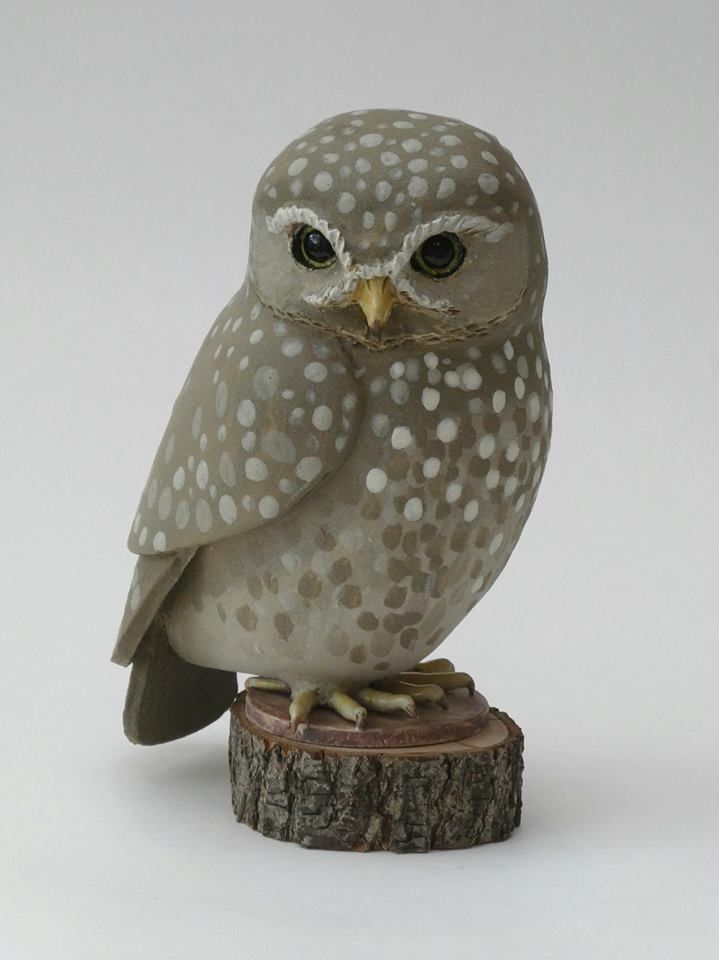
405, 799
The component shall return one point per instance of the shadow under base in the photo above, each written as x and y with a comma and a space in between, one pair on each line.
406, 799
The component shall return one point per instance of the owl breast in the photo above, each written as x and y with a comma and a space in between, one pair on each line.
370, 571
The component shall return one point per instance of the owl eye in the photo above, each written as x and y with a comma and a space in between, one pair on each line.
439, 256
312, 249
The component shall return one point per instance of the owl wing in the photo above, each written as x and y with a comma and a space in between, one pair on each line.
270, 408
152, 580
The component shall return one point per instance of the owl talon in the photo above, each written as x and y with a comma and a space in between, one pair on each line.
427, 683
266, 683
348, 708
447, 681
301, 707
441, 665
387, 701
418, 693
430, 674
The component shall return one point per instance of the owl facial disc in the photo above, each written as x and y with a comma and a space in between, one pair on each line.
389, 227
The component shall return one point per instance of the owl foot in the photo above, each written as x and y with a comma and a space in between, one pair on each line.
442, 673
428, 682
352, 708
305, 701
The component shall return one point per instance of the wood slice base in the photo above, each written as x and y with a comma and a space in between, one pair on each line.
464, 716
405, 799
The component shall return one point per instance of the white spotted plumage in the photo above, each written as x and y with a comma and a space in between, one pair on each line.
208, 444
328, 502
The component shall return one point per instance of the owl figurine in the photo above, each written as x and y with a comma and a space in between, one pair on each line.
360, 439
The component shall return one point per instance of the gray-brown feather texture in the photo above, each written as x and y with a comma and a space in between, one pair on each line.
349, 496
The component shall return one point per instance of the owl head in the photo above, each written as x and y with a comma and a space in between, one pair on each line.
388, 227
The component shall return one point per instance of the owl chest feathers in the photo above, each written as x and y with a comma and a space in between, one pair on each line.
444, 454
276, 415
453, 432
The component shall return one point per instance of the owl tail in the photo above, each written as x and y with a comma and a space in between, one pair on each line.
167, 697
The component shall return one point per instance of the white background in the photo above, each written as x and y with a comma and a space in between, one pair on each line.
131, 138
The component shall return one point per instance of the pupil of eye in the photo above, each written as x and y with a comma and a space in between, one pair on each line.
439, 256
311, 248
438, 252
317, 246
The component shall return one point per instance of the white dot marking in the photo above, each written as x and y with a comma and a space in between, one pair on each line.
447, 430
413, 509
376, 480
401, 438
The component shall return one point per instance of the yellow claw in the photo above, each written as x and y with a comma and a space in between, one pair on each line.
420, 693
386, 701
266, 683
348, 708
441, 665
447, 681
301, 707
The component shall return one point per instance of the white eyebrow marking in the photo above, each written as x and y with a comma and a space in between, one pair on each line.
338, 292
447, 223
450, 223
290, 216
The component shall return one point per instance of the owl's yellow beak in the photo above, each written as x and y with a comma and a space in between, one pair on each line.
376, 296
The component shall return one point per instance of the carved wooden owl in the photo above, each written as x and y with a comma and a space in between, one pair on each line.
361, 437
